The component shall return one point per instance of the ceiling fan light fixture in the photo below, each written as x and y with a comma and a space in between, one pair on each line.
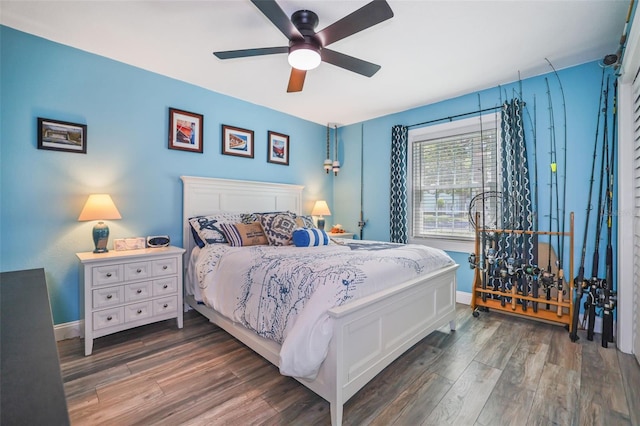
304, 56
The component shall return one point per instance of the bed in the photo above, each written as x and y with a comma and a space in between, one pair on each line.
367, 333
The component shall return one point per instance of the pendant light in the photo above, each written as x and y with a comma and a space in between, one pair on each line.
336, 163
327, 162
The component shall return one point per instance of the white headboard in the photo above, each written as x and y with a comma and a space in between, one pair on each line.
202, 196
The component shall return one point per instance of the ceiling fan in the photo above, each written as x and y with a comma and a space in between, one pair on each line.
307, 48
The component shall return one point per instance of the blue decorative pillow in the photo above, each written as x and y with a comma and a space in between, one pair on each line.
310, 237
278, 227
208, 227
305, 221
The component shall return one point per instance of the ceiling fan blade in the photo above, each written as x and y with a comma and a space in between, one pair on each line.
350, 63
231, 54
367, 16
276, 15
296, 80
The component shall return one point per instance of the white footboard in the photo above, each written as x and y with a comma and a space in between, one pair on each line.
371, 333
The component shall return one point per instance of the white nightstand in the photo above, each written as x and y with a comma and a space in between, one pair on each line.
126, 289
348, 235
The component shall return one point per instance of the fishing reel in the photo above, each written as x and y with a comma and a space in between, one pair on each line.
532, 270
547, 279
473, 261
491, 256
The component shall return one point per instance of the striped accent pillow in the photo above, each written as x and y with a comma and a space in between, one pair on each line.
244, 234
310, 237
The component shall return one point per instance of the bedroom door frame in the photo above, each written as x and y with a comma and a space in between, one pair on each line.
628, 315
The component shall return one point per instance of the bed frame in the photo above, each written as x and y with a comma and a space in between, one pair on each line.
369, 333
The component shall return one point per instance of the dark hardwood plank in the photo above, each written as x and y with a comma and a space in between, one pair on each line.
495, 369
630, 371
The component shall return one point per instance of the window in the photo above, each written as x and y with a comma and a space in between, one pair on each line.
446, 164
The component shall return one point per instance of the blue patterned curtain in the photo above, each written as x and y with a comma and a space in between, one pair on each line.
398, 202
516, 192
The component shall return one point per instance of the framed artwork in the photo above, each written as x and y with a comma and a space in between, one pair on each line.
236, 141
62, 136
278, 150
185, 130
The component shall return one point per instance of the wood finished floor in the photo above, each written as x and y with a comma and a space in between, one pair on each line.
494, 370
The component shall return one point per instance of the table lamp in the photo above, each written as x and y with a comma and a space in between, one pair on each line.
99, 207
321, 209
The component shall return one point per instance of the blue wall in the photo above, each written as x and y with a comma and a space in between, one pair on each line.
581, 86
126, 111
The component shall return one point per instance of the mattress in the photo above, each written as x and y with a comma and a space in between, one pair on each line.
284, 293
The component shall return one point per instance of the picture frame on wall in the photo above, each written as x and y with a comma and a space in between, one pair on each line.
278, 148
237, 141
56, 135
185, 130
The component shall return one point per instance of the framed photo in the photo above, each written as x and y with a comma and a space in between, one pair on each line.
236, 141
185, 130
62, 136
278, 150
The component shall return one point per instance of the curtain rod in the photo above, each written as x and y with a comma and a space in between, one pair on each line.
455, 116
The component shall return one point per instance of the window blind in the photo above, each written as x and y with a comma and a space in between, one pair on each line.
447, 173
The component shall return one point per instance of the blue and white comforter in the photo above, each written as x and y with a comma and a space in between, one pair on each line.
284, 293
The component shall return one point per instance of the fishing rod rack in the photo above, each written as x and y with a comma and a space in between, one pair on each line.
504, 282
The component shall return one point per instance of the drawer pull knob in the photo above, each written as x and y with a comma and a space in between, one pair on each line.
109, 318
109, 296
165, 286
139, 270
108, 274
165, 306
139, 311
165, 267
139, 291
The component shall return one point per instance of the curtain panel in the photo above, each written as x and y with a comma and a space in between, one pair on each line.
398, 201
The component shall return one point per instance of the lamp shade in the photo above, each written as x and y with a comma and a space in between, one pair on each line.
321, 209
99, 207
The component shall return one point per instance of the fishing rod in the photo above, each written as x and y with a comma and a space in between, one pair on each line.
483, 277
594, 282
579, 280
547, 277
361, 222
561, 223
609, 297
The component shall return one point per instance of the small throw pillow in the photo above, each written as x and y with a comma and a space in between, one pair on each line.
243, 234
208, 227
278, 227
310, 237
305, 222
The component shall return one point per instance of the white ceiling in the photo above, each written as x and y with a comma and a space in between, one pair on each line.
429, 51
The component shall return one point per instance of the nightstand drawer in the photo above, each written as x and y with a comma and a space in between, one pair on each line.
135, 271
165, 286
109, 274
137, 311
166, 266
108, 318
165, 305
137, 291
105, 297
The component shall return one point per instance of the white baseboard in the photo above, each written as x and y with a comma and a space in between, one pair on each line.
463, 297
69, 330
